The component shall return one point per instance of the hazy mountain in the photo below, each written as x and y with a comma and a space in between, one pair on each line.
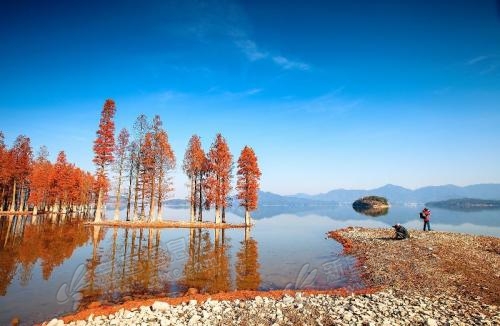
271, 199
396, 194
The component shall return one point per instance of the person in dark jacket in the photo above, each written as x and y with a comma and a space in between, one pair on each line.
401, 232
426, 216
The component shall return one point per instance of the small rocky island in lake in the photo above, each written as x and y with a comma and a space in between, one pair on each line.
468, 204
371, 206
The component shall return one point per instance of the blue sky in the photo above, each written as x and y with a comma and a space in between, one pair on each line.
333, 94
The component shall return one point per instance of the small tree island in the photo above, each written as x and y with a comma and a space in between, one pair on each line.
371, 205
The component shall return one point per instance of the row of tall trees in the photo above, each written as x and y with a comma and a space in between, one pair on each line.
210, 178
142, 161
27, 183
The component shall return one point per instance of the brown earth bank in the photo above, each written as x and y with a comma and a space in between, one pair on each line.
167, 224
428, 263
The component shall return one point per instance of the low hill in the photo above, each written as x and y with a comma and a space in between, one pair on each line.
466, 204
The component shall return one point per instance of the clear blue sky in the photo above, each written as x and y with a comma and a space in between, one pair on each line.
351, 94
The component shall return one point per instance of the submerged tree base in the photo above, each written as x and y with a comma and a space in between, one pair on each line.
168, 224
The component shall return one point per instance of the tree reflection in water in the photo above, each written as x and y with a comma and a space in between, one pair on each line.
247, 264
135, 266
123, 263
207, 268
26, 240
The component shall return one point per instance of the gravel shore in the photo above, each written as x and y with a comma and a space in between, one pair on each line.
433, 278
428, 263
383, 308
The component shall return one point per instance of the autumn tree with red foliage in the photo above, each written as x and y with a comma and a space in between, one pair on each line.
40, 180
120, 156
39, 184
147, 172
4, 171
21, 164
165, 162
218, 182
194, 166
104, 146
248, 181
141, 127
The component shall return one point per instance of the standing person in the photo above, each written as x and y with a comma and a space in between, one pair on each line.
426, 215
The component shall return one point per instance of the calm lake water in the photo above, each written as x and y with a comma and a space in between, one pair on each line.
52, 265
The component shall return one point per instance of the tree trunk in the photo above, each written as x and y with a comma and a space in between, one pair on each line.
21, 198
160, 212
152, 199
35, 210
2, 201
247, 217
153, 210
192, 200
13, 203
200, 203
98, 209
217, 214
223, 214
194, 197
247, 234
136, 193
143, 190
118, 194
159, 205
130, 177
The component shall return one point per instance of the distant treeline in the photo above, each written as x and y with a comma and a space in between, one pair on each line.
466, 204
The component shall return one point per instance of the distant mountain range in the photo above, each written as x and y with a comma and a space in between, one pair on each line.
395, 195
400, 195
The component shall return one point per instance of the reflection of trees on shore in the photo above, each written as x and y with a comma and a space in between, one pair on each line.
207, 268
24, 240
247, 265
134, 265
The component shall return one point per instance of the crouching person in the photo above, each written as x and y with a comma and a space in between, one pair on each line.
401, 232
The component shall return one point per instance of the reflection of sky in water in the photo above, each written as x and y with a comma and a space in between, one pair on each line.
292, 249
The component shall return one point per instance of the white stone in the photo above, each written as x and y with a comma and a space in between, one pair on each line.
160, 306
55, 322
193, 320
431, 322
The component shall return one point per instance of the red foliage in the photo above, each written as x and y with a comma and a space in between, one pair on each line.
218, 183
40, 181
121, 146
194, 165
104, 144
248, 179
21, 158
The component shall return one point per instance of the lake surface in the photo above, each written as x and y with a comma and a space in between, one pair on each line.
53, 265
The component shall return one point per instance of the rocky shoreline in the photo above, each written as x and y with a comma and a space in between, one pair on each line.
420, 281
383, 308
